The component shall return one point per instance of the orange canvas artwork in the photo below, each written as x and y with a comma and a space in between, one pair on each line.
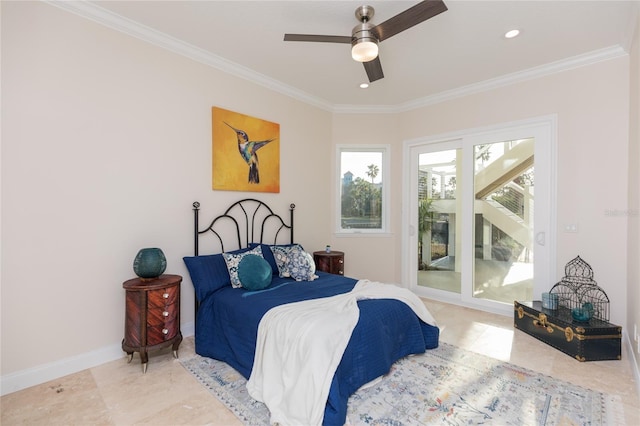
246, 152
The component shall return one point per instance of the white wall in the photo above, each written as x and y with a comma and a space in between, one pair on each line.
370, 256
633, 280
106, 142
591, 104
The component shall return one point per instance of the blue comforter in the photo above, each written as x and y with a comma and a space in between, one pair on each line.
227, 324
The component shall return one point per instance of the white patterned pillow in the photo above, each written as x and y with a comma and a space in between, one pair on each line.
301, 265
233, 261
281, 254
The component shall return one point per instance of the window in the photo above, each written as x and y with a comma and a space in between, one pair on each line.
362, 189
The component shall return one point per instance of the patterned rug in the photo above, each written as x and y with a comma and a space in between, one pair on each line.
447, 385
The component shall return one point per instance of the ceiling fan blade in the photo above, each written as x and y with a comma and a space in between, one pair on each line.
374, 69
318, 38
410, 17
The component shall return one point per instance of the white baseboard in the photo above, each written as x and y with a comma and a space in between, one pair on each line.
632, 360
19, 380
34, 376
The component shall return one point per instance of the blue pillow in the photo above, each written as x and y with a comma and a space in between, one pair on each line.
208, 273
301, 265
267, 253
282, 254
254, 272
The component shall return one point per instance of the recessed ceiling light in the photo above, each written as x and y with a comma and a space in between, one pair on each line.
512, 34
364, 85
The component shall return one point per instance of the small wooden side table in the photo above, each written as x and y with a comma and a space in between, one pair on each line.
152, 318
331, 262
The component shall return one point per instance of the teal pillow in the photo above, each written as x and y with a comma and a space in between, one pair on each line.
233, 262
254, 272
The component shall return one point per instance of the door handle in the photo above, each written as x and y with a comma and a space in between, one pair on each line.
541, 238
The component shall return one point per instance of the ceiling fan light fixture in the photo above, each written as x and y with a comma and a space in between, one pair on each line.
364, 44
365, 36
364, 51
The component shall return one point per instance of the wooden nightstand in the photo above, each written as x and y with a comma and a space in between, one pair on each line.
152, 318
332, 262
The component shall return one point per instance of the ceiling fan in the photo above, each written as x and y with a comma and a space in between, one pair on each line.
365, 36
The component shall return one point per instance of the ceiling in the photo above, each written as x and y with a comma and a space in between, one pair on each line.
459, 51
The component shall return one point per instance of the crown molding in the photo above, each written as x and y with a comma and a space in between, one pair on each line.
132, 28
518, 77
633, 25
119, 23
491, 84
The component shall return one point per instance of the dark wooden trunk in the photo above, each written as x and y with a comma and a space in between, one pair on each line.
593, 341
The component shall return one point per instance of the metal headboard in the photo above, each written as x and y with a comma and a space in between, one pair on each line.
245, 218
250, 220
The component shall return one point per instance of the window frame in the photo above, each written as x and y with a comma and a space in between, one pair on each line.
385, 151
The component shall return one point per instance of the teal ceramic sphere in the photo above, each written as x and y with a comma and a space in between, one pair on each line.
582, 314
149, 263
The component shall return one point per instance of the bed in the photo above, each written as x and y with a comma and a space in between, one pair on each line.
227, 318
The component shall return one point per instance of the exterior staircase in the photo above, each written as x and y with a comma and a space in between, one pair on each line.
498, 174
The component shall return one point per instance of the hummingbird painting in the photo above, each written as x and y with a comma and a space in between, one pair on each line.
249, 151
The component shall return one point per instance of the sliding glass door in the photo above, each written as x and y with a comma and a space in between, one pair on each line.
439, 214
503, 207
477, 231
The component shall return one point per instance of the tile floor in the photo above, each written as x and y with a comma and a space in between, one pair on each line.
117, 393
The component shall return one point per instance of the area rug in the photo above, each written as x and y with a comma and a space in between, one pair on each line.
447, 385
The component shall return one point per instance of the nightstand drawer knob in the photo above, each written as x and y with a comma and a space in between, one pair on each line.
341, 261
165, 331
165, 314
166, 295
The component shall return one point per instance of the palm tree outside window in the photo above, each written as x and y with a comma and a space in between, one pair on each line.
362, 190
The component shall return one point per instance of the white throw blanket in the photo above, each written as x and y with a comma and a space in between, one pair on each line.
300, 345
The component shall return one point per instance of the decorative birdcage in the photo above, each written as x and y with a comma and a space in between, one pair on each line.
578, 292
